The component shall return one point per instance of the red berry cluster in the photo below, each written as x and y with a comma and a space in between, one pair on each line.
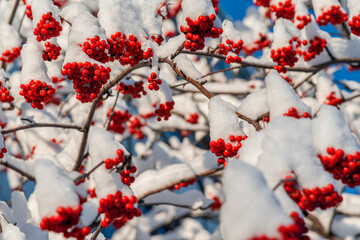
92, 193
56, 79
304, 20
127, 50
231, 59
331, 99
193, 118
183, 184
2, 151
290, 232
125, 175
134, 125
37, 93
154, 82
284, 56
5, 94
310, 199
292, 112
344, 167
63, 221
134, 90
47, 28
317, 45
287, 78
87, 79
215, 4
118, 120
259, 44
164, 110
116, 206
354, 25
230, 46
28, 12
264, 3
220, 148
216, 205
120, 222
284, 9
196, 31
334, 15
96, 49
51, 51
9, 56
110, 163
157, 38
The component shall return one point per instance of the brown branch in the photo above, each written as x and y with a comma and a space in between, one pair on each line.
351, 98
305, 79
90, 116
97, 232
176, 205
222, 70
18, 170
169, 185
282, 181
37, 125
249, 120
178, 51
112, 111
86, 175
319, 228
11, 19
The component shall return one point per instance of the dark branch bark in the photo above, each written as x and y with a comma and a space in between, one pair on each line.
18, 170
38, 125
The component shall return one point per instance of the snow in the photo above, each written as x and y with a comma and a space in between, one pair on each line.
170, 47
254, 105
187, 67
11, 232
195, 9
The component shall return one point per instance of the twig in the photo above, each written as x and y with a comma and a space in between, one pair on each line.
97, 232
282, 181
249, 120
178, 51
329, 53
112, 111
85, 175
18, 170
305, 79
176, 205
319, 228
222, 70
206, 173
11, 19
37, 125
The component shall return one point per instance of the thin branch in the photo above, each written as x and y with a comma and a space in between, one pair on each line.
178, 51
97, 232
39, 125
90, 116
282, 181
86, 175
305, 79
169, 185
11, 19
112, 112
176, 205
319, 228
222, 70
18, 170
249, 120
329, 53
351, 98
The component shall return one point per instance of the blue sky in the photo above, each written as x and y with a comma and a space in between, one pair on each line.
236, 9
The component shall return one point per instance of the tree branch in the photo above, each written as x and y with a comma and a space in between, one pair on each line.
39, 125
97, 232
85, 175
18, 170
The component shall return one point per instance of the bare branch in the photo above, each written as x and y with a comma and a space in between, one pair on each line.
97, 232
86, 175
40, 125
18, 170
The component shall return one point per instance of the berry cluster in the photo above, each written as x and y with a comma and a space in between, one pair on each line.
292, 112
28, 12
215, 4
284, 9
9, 56
47, 28
259, 44
196, 31
331, 99
354, 25
3, 151
284, 56
36, 93
183, 184
125, 175
304, 20
134, 125
230, 46
290, 232
287, 78
317, 45
193, 118
92, 193
226, 150
116, 206
96, 49
230, 59
134, 90
110, 163
63, 221
51, 51
344, 167
154, 82
334, 15
310, 199
5, 94
118, 120
120, 222
264, 3
164, 110
127, 49
87, 79
157, 38
216, 205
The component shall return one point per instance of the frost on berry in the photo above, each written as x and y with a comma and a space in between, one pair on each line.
282, 99
116, 200
10, 43
201, 22
283, 9
254, 194
225, 132
329, 12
